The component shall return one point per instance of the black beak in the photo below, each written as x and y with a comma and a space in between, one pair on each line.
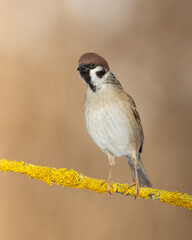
82, 69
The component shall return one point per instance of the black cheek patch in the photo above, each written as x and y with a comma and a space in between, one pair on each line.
87, 78
101, 73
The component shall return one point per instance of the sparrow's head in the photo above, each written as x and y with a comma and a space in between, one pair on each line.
93, 69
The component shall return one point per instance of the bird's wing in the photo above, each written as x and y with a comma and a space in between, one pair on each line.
136, 116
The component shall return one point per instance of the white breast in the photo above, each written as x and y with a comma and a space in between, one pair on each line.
109, 127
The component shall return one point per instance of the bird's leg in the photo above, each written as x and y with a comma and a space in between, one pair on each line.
109, 179
136, 183
111, 159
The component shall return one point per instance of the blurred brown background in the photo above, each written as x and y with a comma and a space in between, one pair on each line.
148, 45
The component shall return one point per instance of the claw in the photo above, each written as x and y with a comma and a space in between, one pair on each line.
109, 184
136, 183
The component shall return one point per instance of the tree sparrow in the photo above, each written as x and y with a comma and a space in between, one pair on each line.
111, 117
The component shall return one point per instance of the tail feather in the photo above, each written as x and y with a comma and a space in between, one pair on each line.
142, 175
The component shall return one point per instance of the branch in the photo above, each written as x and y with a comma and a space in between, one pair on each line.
74, 179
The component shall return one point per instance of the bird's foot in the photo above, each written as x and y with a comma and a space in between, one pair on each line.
109, 184
136, 183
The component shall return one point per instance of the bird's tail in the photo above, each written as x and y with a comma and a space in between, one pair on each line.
142, 175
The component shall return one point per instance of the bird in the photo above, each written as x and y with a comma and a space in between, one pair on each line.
112, 119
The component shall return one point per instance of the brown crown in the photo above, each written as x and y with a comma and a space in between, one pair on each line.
89, 58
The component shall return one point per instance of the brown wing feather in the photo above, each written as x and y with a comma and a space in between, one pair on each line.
137, 118
124, 95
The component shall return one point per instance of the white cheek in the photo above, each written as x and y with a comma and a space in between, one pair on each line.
94, 78
97, 81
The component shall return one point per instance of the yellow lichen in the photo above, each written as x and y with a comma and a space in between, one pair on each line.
73, 179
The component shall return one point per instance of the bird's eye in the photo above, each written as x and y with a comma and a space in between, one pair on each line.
92, 65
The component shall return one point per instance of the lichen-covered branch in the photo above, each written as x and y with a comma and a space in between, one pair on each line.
74, 179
